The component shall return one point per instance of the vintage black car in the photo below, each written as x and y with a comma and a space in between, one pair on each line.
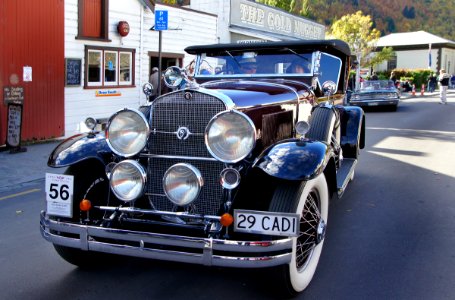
233, 168
376, 93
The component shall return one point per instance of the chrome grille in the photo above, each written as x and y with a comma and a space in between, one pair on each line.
374, 96
173, 112
168, 114
210, 198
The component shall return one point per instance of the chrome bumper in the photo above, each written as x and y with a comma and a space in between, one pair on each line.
260, 253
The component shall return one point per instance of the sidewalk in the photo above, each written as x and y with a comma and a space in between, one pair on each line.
18, 169
426, 94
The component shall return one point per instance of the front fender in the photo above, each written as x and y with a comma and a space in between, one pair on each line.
78, 148
294, 159
354, 131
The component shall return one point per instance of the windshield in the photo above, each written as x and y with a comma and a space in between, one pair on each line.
377, 85
255, 63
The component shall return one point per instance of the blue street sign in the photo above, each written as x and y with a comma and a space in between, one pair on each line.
161, 20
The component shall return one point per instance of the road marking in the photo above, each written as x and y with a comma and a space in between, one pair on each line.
20, 194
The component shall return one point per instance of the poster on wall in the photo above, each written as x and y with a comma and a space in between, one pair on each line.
27, 73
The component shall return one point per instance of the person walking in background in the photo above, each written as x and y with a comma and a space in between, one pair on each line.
393, 77
443, 80
432, 83
154, 81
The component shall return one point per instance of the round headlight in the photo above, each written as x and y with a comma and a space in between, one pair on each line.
127, 132
230, 136
128, 180
182, 184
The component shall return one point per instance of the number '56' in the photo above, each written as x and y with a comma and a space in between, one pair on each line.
55, 193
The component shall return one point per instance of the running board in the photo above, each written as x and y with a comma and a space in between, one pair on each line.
344, 174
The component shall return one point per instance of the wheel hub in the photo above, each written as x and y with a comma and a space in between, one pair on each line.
320, 234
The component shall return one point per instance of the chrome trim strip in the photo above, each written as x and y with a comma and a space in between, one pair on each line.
177, 157
203, 247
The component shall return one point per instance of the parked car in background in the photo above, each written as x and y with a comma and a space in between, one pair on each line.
376, 93
234, 169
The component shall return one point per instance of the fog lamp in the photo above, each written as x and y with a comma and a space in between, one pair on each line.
128, 180
182, 183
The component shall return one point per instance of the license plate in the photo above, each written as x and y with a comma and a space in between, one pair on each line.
59, 194
269, 223
373, 104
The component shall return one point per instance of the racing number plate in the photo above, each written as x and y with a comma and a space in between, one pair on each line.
270, 223
59, 194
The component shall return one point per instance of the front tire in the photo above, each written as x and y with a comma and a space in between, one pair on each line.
310, 200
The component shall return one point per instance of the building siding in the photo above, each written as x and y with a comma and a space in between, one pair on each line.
186, 27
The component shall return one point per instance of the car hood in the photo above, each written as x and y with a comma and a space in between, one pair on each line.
248, 93
381, 91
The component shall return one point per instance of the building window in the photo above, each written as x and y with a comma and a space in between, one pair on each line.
126, 60
392, 63
93, 16
109, 67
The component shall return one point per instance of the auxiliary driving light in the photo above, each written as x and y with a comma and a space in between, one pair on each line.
128, 180
182, 183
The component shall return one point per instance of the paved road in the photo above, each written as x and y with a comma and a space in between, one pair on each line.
391, 236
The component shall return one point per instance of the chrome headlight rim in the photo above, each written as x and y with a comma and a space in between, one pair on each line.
198, 180
146, 133
142, 175
217, 117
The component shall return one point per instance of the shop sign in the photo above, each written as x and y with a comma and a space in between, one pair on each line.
107, 93
252, 15
13, 94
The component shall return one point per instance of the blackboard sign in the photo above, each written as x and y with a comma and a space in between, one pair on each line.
13, 136
13, 94
73, 71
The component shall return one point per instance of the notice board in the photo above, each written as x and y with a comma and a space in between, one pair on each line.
13, 134
73, 68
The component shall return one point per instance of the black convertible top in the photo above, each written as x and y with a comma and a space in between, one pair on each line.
329, 46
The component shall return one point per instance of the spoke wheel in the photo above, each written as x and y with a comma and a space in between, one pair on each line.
310, 200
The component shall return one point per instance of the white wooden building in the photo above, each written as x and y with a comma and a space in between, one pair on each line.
414, 49
114, 68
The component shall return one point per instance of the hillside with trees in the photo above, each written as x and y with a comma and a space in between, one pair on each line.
389, 16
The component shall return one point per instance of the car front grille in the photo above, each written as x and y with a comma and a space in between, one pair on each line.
190, 112
379, 96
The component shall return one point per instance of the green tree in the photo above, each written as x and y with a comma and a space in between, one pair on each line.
297, 7
377, 57
283, 4
356, 30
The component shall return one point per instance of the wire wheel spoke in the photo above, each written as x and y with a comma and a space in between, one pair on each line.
309, 222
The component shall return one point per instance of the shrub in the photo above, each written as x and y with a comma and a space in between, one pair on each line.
415, 76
